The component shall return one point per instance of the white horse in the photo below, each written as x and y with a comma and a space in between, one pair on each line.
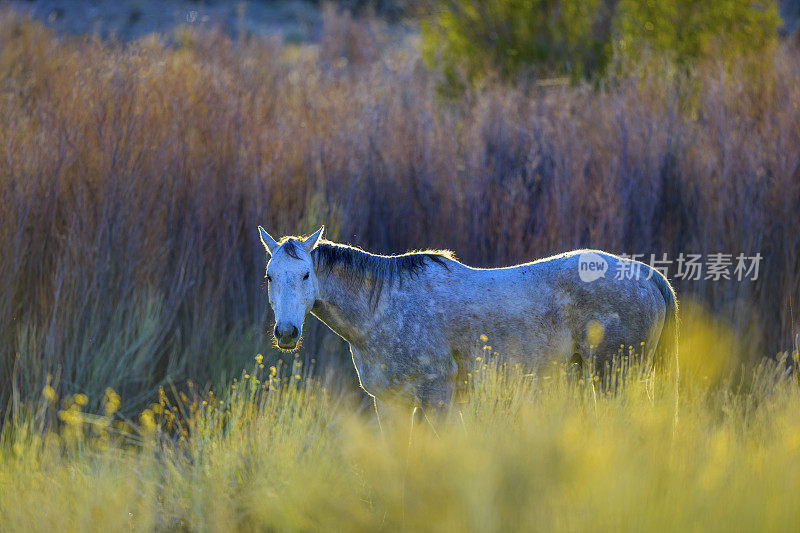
414, 321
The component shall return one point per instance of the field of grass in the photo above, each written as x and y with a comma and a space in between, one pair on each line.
525, 452
133, 177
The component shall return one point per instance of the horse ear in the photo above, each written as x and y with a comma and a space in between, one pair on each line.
267, 240
311, 242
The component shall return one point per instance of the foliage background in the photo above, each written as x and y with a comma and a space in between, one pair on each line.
514, 39
134, 174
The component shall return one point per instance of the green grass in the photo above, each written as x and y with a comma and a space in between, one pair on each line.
544, 451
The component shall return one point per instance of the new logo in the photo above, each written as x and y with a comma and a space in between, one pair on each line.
591, 266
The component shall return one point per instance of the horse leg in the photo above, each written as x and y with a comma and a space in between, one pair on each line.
378, 414
435, 398
393, 414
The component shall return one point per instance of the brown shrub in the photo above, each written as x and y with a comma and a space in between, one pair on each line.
133, 178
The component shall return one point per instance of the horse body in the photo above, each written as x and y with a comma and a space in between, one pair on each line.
542, 310
414, 322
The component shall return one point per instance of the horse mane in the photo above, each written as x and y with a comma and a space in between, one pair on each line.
358, 265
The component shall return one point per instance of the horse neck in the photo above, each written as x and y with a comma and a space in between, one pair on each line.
344, 306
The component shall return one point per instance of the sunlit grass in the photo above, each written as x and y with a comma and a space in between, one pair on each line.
133, 179
550, 450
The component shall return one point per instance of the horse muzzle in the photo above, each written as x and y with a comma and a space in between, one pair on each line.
287, 336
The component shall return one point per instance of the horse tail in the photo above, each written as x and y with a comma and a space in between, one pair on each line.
667, 347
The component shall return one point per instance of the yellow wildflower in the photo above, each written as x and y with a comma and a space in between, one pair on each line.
50, 393
112, 402
147, 421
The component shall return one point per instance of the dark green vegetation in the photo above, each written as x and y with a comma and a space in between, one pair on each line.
577, 38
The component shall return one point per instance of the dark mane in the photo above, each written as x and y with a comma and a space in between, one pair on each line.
360, 266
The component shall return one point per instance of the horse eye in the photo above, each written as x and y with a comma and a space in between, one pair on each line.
306, 276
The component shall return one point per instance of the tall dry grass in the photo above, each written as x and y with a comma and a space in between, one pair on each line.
133, 176
547, 451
